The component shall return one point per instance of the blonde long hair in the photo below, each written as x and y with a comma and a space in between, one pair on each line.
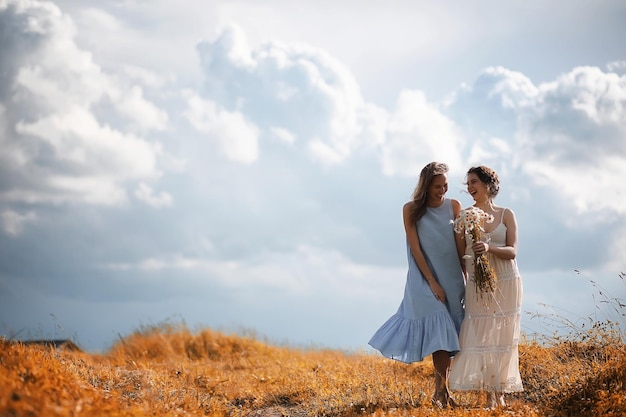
419, 195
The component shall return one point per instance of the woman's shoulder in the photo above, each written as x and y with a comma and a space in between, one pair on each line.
408, 207
507, 214
455, 203
505, 210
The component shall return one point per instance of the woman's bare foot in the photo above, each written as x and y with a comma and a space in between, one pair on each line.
451, 401
495, 400
440, 400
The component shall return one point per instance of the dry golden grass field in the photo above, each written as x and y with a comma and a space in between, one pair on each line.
167, 370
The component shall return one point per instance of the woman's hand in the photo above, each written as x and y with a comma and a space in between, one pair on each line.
438, 291
480, 247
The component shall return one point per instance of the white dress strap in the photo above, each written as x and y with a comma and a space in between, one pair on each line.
502, 215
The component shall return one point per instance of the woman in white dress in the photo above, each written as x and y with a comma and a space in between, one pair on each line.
488, 359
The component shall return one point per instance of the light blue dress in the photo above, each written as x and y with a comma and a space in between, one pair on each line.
423, 325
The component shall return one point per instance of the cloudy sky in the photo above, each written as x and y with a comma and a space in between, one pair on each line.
241, 165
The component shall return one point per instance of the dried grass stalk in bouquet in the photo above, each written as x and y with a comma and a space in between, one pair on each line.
470, 223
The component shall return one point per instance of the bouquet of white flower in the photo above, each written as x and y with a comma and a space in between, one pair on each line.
470, 222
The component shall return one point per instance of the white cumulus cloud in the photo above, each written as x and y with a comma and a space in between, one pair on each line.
566, 135
300, 88
417, 132
146, 194
572, 137
13, 222
57, 142
236, 138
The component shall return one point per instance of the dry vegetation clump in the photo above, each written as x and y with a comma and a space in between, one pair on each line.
581, 369
584, 377
169, 371
166, 370
39, 381
239, 375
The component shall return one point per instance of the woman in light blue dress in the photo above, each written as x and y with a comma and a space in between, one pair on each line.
430, 315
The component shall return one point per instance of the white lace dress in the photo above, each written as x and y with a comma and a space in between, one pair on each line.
489, 336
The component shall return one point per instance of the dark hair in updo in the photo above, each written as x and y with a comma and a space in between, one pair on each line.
488, 176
